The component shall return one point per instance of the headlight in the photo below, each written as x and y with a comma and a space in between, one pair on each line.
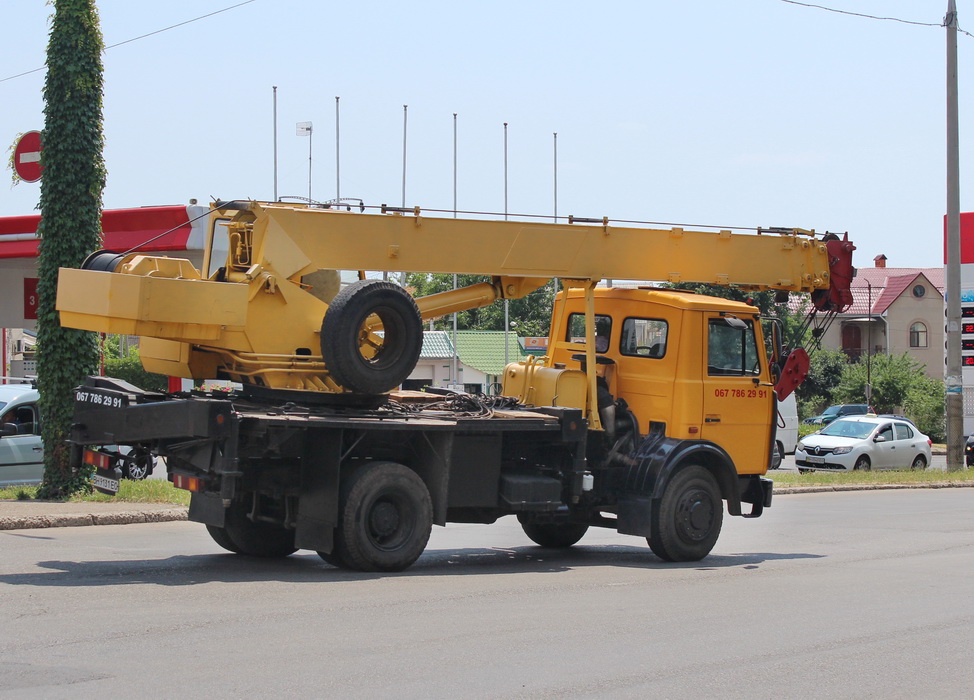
801, 446
842, 450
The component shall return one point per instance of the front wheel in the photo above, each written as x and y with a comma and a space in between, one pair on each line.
385, 518
554, 535
862, 464
689, 516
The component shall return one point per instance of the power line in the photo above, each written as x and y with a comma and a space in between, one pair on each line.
889, 19
858, 14
143, 36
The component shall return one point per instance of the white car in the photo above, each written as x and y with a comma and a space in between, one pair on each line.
21, 447
864, 442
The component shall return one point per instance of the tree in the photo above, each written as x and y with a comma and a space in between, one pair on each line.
531, 314
70, 228
824, 375
899, 383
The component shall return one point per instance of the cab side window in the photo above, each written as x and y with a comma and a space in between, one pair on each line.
886, 432
731, 348
603, 329
643, 337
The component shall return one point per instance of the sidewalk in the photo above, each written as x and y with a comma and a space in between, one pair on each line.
24, 515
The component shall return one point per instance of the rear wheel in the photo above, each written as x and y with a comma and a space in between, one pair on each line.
555, 535
220, 536
690, 514
920, 462
385, 517
256, 539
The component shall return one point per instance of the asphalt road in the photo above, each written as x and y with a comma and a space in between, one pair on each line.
838, 595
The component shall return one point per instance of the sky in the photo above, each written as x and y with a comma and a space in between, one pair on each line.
744, 114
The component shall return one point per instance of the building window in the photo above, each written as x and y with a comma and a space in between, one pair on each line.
918, 335
919, 290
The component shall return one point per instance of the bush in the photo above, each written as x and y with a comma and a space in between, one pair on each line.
130, 369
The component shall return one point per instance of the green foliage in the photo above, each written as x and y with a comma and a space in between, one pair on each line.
899, 384
824, 374
130, 369
70, 229
531, 314
15, 179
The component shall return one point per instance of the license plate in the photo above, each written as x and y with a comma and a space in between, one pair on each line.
105, 484
815, 460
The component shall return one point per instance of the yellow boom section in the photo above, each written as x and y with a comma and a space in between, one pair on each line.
259, 317
415, 243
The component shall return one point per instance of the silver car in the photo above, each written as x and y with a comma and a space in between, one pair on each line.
21, 450
864, 442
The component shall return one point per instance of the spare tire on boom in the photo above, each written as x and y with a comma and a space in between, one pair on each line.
355, 356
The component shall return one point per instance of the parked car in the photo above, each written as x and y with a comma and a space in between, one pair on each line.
21, 448
786, 436
864, 442
969, 450
837, 411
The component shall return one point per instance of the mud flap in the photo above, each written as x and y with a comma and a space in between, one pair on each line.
758, 492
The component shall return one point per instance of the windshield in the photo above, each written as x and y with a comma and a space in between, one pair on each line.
2, 404
849, 428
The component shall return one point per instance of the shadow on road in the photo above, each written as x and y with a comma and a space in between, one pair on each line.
185, 570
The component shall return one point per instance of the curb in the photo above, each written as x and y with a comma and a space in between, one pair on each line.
31, 522
871, 487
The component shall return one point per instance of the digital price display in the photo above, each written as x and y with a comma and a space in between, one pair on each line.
968, 361
967, 344
967, 328
967, 311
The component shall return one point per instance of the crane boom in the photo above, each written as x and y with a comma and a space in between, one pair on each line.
257, 313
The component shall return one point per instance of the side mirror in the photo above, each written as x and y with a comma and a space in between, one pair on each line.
8, 429
776, 349
879, 438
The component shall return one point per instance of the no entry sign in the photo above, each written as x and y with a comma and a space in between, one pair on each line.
27, 157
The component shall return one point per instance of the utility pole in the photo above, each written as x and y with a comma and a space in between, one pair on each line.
954, 384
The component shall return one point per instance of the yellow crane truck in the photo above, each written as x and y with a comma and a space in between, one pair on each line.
652, 408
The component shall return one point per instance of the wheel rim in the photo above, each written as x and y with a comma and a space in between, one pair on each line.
919, 463
379, 353
862, 464
695, 515
389, 524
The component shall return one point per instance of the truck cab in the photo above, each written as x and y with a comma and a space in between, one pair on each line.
691, 365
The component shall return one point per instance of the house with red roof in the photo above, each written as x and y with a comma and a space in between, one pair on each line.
894, 310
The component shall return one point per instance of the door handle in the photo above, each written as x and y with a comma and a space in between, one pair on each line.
711, 420
37, 449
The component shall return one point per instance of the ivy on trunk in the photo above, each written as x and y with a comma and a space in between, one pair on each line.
70, 228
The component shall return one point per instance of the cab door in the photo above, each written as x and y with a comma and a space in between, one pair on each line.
737, 395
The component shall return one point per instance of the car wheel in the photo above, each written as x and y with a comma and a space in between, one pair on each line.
140, 467
920, 462
862, 464
804, 471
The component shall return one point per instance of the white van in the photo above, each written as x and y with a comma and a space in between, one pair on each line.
786, 437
